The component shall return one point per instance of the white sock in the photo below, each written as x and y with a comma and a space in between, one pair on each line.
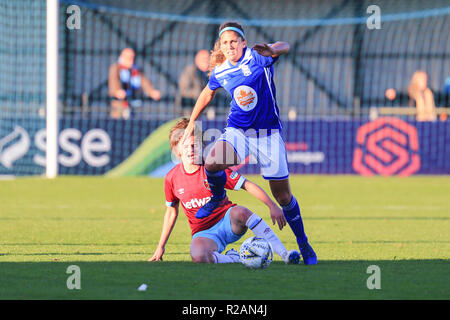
222, 258
262, 230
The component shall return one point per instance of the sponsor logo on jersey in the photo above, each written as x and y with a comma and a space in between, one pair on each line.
245, 97
196, 203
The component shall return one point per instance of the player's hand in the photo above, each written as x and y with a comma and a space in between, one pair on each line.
156, 95
277, 216
157, 256
189, 131
121, 94
264, 49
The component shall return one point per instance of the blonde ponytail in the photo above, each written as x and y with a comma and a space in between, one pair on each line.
217, 57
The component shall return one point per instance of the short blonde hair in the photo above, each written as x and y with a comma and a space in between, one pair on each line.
177, 131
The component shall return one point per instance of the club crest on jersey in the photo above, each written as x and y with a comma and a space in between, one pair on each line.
206, 184
246, 70
245, 97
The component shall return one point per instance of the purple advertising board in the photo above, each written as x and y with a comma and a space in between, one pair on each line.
386, 146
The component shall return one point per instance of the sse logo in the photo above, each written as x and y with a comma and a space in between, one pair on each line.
387, 146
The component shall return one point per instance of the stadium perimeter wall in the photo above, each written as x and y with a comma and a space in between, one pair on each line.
385, 146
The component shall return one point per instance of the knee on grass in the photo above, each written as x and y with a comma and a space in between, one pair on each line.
202, 256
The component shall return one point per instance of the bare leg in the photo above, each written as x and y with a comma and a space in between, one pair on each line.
221, 157
281, 191
202, 250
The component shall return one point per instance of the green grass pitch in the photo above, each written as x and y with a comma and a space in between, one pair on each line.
109, 227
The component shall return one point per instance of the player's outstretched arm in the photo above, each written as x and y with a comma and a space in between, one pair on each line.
203, 100
169, 222
275, 212
276, 49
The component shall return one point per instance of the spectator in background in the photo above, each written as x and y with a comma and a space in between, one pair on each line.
391, 94
418, 94
422, 96
126, 84
192, 81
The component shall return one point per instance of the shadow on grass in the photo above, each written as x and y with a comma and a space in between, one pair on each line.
402, 279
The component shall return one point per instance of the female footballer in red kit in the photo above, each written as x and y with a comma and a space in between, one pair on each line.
186, 184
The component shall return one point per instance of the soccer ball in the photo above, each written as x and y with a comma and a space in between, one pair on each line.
256, 253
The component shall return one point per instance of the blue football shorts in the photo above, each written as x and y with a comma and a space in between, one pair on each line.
266, 150
220, 233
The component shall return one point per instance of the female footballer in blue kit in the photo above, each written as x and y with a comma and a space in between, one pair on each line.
253, 125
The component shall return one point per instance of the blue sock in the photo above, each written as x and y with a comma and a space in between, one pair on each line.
294, 219
217, 181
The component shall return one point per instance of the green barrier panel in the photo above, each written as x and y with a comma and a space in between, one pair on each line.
152, 153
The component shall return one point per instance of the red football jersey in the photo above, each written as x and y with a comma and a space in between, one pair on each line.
192, 190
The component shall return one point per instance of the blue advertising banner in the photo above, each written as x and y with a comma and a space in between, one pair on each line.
86, 146
385, 146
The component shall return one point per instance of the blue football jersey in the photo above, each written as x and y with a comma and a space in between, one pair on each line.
250, 84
